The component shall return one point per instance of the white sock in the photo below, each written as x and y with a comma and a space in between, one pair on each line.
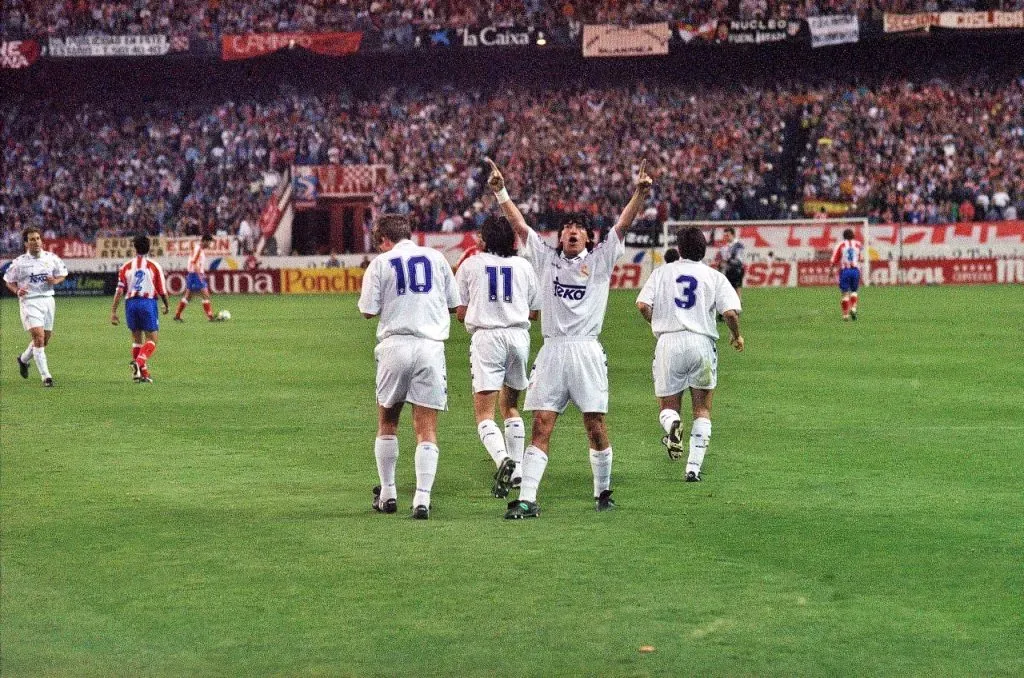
40, 356
667, 418
490, 436
700, 436
515, 443
426, 468
26, 357
385, 448
601, 465
534, 463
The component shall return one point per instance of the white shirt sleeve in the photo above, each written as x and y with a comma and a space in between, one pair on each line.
536, 251
12, 272
646, 295
369, 296
726, 298
533, 290
59, 269
451, 289
607, 253
462, 279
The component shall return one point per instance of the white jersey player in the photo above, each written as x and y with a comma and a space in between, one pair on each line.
32, 277
680, 300
571, 365
413, 290
499, 298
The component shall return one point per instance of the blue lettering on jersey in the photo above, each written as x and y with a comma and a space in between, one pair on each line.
38, 277
574, 292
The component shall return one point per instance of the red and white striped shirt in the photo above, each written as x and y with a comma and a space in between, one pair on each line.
197, 262
141, 278
847, 254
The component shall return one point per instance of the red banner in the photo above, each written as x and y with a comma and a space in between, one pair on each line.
251, 45
270, 218
18, 53
70, 248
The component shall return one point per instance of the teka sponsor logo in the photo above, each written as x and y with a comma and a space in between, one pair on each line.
574, 292
492, 36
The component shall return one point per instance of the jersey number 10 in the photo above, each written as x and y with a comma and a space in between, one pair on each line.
420, 275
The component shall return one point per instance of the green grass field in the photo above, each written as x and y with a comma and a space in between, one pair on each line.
861, 512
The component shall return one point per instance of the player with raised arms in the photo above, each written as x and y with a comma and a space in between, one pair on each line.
680, 300
413, 290
571, 366
499, 298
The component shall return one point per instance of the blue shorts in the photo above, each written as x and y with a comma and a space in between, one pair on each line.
849, 279
140, 315
195, 283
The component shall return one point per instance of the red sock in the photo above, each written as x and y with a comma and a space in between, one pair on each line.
846, 307
135, 350
853, 301
181, 308
144, 353
208, 308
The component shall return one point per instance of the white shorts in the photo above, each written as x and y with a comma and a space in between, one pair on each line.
411, 370
38, 312
569, 369
498, 357
684, 360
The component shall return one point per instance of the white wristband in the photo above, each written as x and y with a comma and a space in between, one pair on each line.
502, 196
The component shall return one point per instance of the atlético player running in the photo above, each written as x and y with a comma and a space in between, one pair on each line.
140, 281
196, 280
847, 256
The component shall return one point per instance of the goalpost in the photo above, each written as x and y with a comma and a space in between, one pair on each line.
792, 240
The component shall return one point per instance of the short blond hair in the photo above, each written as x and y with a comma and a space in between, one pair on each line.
394, 227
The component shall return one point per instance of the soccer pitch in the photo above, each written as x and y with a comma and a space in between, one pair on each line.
861, 510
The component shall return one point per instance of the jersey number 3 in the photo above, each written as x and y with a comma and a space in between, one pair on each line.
420, 275
687, 287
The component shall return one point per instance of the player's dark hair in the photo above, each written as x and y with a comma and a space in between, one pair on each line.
730, 229
394, 227
30, 229
691, 243
848, 234
580, 219
141, 243
498, 236
671, 255
206, 238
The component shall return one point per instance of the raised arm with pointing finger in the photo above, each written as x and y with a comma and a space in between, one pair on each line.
496, 182
643, 189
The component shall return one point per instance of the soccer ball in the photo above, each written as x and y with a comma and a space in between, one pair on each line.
224, 315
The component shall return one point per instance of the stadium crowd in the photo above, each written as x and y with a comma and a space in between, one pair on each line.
923, 153
400, 20
926, 152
